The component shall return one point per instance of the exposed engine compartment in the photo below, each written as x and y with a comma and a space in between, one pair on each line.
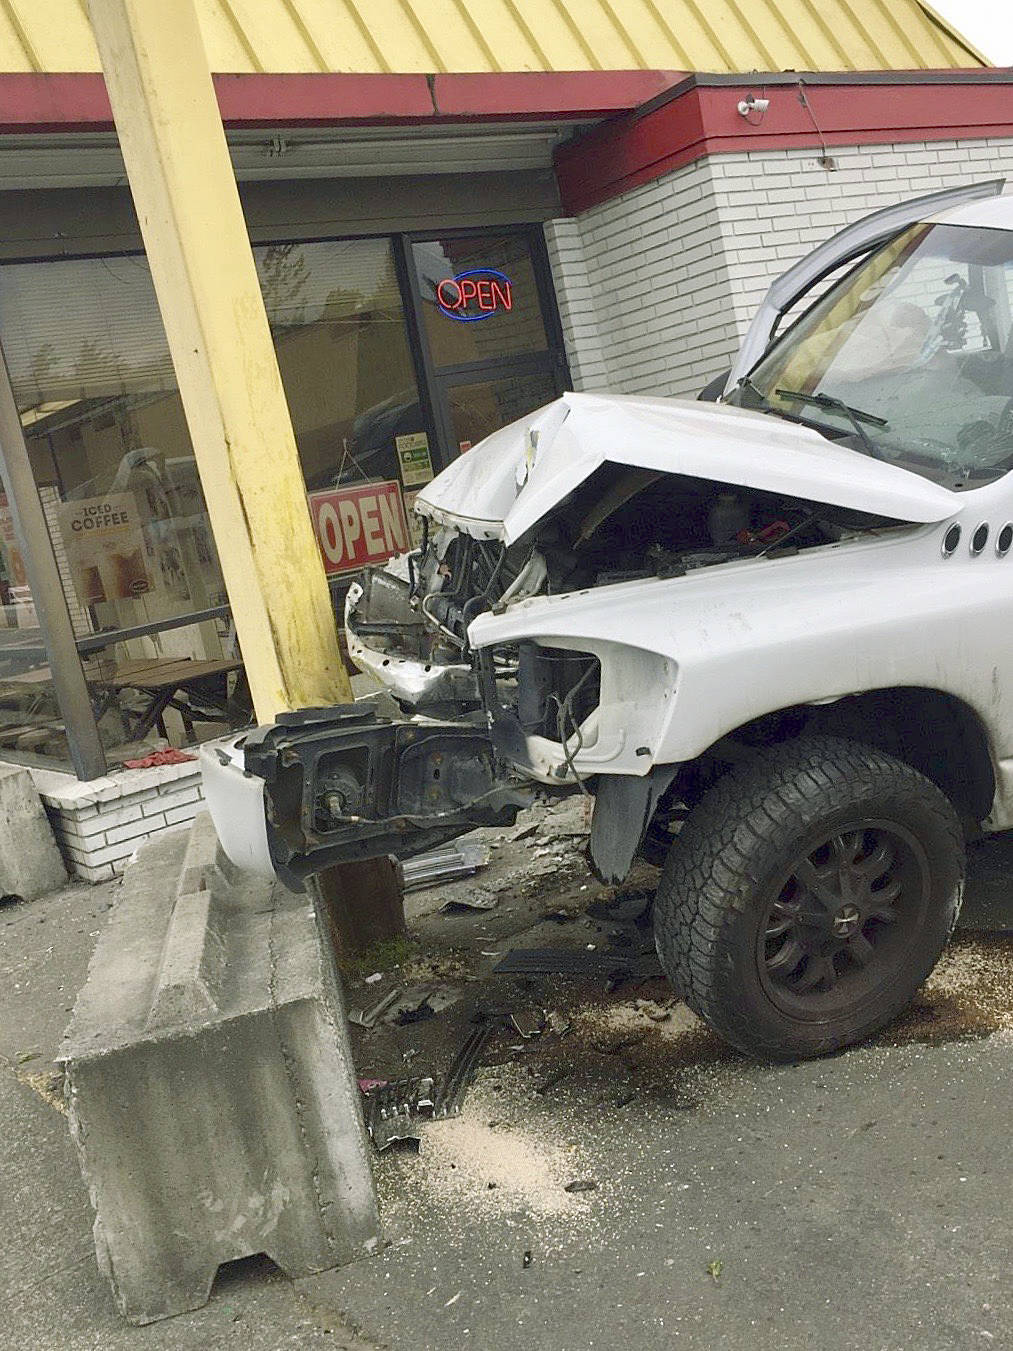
620, 525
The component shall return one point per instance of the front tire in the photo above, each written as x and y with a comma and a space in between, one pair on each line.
808, 896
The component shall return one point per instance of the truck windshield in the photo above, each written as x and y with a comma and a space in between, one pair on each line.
908, 358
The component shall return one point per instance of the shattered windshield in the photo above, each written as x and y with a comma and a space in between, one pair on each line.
908, 358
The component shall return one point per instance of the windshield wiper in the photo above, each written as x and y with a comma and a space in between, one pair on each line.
856, 416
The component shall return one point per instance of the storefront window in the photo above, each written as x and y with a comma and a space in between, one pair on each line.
30, 722
339, 330
113, 463
480, 298
116, 475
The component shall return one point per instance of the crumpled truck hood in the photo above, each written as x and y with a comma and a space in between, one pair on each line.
515, 477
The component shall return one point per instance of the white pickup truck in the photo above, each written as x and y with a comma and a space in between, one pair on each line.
770, 633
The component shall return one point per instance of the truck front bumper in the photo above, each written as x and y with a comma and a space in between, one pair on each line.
325, 786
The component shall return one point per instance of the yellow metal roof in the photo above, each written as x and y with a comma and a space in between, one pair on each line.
434, 36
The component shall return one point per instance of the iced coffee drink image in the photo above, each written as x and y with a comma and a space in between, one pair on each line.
131, 573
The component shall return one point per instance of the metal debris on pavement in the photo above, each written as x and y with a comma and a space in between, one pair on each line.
528, 1022
368, 1017
455, 1084
393, 1110
562, 962
442, 865
556, 1077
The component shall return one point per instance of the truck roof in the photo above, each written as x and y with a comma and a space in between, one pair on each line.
995, 213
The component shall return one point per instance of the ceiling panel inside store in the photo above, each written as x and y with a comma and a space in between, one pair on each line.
434, 36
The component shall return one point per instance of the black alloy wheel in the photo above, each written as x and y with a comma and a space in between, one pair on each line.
808, 895
834, 931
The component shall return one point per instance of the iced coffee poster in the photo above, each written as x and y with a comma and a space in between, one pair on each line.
105, 548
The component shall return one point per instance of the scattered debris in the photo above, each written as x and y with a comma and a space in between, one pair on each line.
420, 1003
462, 859
393, 1110
582, 1184
475, 900
559, 916
562, 962
714, 1270
529, 1023
11, 898
461, 1072
453, 1299
557, 1023
525, 832
526, 1259
377, 975
368, 1017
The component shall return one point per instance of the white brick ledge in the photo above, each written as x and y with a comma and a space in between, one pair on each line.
100, 824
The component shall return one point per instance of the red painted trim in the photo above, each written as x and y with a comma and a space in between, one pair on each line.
574, 93
316, 100
703, 120
78, 102
53, 103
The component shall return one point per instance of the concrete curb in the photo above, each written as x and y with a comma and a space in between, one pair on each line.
211, 1091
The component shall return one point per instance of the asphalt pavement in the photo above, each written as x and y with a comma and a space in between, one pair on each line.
629, 1181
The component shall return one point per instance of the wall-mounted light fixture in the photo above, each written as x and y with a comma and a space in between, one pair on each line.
751, 104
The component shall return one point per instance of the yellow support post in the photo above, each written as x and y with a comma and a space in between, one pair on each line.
187, 202
191, 219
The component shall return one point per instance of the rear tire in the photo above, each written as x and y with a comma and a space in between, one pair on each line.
808, 896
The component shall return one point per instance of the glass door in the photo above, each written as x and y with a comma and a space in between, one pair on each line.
491, 342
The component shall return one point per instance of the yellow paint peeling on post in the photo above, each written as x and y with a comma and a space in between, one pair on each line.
205, 278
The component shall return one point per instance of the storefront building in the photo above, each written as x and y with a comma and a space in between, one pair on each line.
438, 256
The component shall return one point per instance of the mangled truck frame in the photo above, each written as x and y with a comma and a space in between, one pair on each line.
767, 630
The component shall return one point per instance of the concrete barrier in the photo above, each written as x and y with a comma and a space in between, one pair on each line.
30, 862
210, 1086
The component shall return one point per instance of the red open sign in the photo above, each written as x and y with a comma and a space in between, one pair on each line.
477, 294
359, 525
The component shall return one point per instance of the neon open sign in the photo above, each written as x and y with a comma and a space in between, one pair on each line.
478, 294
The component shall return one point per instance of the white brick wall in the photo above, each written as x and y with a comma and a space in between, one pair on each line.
99, 824
657, 287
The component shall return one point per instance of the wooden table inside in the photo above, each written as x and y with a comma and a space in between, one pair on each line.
161, 679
